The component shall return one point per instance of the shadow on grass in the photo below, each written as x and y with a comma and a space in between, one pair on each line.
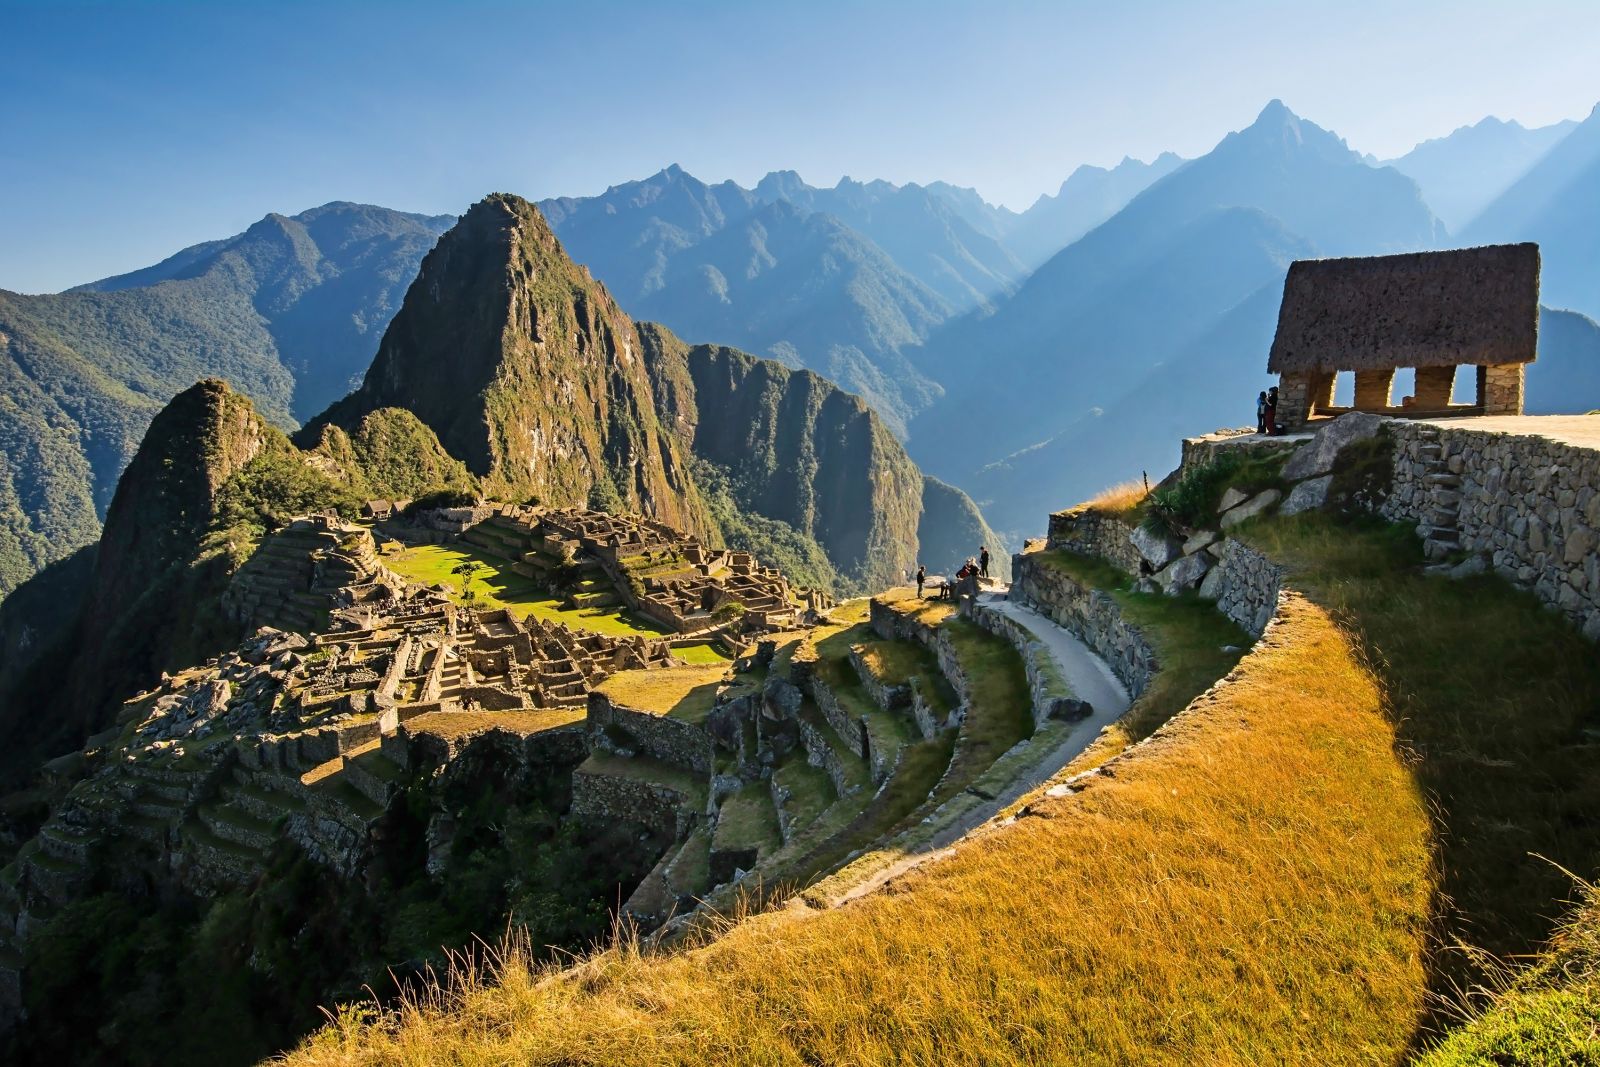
1494, 699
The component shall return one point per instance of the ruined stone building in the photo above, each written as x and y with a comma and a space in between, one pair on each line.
1432, 311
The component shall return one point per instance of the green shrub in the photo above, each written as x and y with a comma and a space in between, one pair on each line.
1190, 502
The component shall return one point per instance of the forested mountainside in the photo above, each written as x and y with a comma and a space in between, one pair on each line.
290, 312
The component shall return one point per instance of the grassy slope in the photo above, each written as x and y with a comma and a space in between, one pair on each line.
1276, 875
1193, 907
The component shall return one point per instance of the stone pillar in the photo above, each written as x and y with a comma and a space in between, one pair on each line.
1320, 397
1373, 388
1294, 392
1433, 387
1500, 388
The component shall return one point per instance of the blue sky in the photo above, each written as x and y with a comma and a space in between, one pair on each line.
129, 130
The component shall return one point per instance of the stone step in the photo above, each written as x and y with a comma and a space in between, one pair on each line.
264, 804
152, 806
1439, 549
67, 842
223, 861
150, 830
372, 774
1443, 480
237, 825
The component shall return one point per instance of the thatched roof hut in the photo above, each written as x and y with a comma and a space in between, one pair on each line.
1477, 306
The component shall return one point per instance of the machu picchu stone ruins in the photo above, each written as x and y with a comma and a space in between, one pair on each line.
701, 620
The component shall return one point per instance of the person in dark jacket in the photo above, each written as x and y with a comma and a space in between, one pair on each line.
922, 576
1272, 411
983, 561
1261, 412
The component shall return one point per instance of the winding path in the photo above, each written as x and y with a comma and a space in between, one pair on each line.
1089, 678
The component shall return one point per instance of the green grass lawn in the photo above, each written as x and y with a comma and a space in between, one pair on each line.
702, 653
498, 586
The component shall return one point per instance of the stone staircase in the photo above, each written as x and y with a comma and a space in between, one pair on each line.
1440, 530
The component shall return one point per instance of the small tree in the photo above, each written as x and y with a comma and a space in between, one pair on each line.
468, 569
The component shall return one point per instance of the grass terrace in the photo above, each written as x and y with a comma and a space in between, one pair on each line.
685, 693
452, 724
498, 586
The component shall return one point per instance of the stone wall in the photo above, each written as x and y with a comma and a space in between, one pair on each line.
612, 728
614, 798
1245, 585
1092, 534
1091, 615
1529, 504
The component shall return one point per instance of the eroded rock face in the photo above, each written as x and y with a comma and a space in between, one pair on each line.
1309, 495
1158, 551
1319, 455
1256, 505
1184, 574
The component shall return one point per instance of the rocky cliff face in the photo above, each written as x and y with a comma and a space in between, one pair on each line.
528, 372
798, 449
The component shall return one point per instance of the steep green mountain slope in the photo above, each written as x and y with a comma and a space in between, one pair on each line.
792, 447
527, 371
289, 312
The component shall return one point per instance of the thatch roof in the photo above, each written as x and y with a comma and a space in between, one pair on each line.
1422, 309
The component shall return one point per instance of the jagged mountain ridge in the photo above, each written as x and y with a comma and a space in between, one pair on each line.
290, 312
1138, 288
1462, 172
1557, 204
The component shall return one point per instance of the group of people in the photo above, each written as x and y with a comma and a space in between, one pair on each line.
974, 567
1267, 412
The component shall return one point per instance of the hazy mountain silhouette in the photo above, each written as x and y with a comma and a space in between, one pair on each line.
1461, 173
786, 279
1557, 204
1163, 271
1088, 197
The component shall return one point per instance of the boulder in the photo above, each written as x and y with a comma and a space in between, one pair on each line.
1184, 574
1232, 499
1309, 495
1256, 505
1070, 709
1203, 539
1211, 585
1319, 454
1158, 551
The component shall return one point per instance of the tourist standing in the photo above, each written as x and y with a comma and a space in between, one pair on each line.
1272, 411
1261, 412
922, 576
983, 560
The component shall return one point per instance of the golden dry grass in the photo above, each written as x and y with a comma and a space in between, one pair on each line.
1252, 886
1118, 500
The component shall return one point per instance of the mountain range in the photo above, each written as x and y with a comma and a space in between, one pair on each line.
290, 312
923, 300
510, 371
